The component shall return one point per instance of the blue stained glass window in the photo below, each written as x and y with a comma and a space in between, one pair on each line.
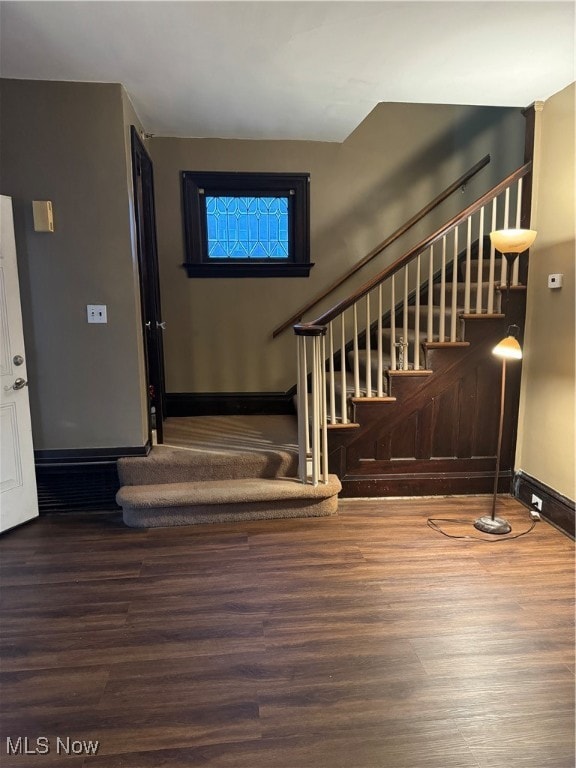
247, 227
242, 224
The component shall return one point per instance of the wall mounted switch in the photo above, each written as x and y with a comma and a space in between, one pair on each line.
555, 281
96, 313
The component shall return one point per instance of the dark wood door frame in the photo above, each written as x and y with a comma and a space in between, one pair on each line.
152, 325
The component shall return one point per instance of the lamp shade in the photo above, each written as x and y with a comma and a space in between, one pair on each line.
512, 240
508, 348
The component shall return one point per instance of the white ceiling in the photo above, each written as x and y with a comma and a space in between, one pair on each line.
298, 70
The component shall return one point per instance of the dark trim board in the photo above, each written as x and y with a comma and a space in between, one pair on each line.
556, 508
74, 456
247, 270
428, 484
228, 403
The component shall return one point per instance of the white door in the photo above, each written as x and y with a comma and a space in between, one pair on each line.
18, 496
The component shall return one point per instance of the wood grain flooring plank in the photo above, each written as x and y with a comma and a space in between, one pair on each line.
121, 731
73, 687
512, 740
41, 620
435, 746
472, 651
114, 646
61, 573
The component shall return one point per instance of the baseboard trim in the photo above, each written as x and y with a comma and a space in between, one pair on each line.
428, 484
78, 456
80, 480
556, 508
228, 403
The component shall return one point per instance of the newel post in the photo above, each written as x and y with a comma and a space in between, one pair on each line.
312, 420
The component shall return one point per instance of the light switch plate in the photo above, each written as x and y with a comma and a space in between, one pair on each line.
96, 313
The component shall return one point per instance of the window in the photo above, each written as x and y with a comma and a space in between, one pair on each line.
246, 224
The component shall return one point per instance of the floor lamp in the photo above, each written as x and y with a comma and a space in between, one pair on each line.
510, 242
507, 349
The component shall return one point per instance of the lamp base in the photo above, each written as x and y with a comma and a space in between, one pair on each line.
493, 525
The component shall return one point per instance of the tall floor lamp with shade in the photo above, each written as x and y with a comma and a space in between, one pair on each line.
510, 242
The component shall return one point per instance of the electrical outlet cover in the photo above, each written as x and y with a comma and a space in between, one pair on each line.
96, 313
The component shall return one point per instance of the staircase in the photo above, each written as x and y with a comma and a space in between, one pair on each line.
397, 387
430, 428
221, 469
396, 394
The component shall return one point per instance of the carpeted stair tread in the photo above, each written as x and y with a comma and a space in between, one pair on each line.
217, 448
170, 465
195, 503
216, 492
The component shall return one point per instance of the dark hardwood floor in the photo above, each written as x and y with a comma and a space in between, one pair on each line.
366, 640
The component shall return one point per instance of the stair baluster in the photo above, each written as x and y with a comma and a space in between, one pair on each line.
505, 225
344, 399
430, 326
417, 319
331, 374
368, 347
480, 271
515, 269
356, 360
380, 390
492, 271
405, 361
302, 394
393, 323
323, 411
467, 276
442, 331
454, 306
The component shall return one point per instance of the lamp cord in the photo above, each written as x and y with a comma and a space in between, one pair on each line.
433, 523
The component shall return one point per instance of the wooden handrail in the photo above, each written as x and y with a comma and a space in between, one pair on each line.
422, 246
384, 244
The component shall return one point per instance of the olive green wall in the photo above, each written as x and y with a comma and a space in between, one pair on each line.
218, 336
65, 142
546, 438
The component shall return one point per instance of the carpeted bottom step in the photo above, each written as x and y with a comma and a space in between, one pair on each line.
217, 501
168, 465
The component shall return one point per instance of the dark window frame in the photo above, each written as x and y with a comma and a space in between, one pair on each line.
197, 184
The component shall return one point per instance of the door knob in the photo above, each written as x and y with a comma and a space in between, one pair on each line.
161, 325
18, 384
